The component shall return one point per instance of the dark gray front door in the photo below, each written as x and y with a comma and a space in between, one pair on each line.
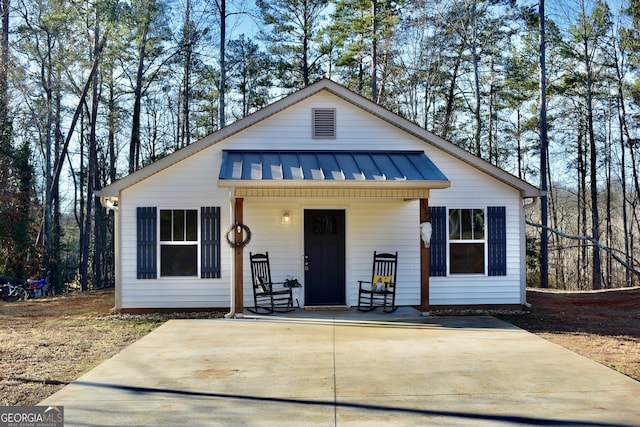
324, 246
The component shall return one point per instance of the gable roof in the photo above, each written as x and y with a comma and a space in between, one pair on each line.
526, 189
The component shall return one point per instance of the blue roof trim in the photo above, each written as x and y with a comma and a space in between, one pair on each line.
328, 165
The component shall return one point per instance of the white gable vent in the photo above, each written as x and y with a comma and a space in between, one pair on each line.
324, 123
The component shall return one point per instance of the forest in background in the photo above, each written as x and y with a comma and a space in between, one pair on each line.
91, 90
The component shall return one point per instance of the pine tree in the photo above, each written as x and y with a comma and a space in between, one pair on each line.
250, 74
291, 34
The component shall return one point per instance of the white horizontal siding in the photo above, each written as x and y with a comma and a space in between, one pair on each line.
385, 226
185, 293
473, 291
291, 130
396, 229
282, 241
188, 185
473, 189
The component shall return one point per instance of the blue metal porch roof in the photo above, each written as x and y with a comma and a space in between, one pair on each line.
407, 166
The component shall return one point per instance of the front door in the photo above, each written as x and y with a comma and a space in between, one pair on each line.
324, 246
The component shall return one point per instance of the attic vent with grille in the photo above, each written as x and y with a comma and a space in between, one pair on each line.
324, 123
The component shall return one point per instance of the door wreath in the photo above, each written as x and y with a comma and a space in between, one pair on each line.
246, 235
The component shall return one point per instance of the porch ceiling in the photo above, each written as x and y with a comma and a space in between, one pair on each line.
407, 174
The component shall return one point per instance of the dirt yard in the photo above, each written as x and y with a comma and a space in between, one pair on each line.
602, 325
49, 342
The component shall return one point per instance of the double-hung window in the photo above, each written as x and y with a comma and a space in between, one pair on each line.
185, 239
178, 242
467, 241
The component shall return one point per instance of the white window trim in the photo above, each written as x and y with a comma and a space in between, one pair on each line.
161, 243
463, 241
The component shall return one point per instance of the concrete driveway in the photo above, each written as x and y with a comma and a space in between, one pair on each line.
348, 368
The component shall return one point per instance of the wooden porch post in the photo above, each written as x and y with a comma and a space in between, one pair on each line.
238, 257
424, 260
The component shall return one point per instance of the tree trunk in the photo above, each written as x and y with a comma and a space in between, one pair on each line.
374, 51
623, 180
519, 143
477, 132
110, 217
5, 122
451, 97
134, 145
111, 119
46, 83
544, 147
608, 274
624, 136
636, 194
99, 231
492, 150
92, 165
560, 275
596, 278
53, 266
223, 64
81, 211
186, 78
582, 204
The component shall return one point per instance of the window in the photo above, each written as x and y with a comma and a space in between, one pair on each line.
178, 242
466, 241
459, 246
324, 123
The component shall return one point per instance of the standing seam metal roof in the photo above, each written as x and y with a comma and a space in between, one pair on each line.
328, 165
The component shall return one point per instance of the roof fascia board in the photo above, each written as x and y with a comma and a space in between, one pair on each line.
311, 183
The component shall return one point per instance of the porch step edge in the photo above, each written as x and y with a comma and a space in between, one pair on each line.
327, 308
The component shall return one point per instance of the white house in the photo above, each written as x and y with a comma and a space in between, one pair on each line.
321, 179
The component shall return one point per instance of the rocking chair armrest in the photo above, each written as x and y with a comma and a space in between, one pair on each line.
362, 282
388, 285
268, 285
280, 286
281, 291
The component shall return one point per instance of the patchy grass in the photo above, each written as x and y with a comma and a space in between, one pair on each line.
49, 342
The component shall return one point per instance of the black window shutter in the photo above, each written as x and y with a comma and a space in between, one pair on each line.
497, 240
438, 247
210, 242
147, 244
